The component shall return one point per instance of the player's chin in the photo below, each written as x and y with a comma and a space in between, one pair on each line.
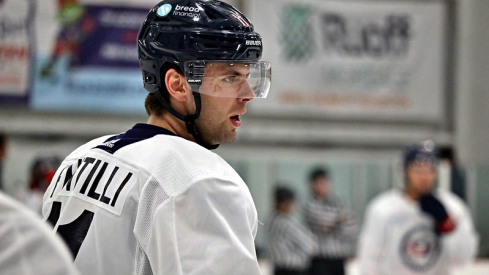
229, 137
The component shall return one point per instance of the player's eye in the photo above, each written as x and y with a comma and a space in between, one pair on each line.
230, 79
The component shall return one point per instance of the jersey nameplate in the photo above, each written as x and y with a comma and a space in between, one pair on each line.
98, 182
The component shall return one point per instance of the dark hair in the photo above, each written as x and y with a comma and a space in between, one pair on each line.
3, 138
151, 103
318, 173
283, 194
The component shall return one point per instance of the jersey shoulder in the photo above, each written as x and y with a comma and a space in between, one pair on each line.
386, 202
82, 150
177, 163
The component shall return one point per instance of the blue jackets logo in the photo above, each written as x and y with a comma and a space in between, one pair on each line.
163, 10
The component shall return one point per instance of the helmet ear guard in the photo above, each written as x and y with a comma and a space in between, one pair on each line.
150, 79
151, 72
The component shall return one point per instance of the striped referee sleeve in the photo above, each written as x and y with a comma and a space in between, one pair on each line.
334, 225
349, 228
302, 237
291, 244
321, 217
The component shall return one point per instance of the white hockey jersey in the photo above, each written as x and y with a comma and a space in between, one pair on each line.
398, 238
27, 246
149, 202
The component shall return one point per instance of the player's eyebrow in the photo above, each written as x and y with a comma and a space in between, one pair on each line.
234, 73
232, 70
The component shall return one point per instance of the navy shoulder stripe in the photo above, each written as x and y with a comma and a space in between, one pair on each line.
137, 133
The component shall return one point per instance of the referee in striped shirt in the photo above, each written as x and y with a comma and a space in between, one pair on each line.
291, 244
333, 224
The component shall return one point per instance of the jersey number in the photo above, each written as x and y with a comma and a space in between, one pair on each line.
73, 233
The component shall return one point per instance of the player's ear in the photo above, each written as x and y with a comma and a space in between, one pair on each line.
176, 85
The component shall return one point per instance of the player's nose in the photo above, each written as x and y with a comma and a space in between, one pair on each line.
246, 94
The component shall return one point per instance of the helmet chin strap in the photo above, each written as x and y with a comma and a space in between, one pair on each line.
188, 119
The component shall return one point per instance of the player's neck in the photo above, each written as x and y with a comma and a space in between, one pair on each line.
411, 194
172, 124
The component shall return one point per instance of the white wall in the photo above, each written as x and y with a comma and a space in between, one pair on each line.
472, 90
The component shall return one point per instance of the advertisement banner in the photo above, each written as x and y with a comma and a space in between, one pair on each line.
353, 59
87, 58
16, 50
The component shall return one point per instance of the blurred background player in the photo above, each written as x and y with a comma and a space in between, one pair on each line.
291, 244
27, 245
156, 194
419, 229
333, 224
42, 172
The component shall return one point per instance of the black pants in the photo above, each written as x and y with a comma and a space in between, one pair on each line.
288, 271
325, 266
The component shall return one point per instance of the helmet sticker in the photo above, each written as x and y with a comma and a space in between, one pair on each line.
186, 11
163, 10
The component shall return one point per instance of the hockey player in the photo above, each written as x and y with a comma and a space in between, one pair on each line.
155, 199
417, 230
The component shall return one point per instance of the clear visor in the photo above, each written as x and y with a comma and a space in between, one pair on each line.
229, 78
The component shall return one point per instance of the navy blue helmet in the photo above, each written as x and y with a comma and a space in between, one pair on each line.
179, 31
421, 153
193, 35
